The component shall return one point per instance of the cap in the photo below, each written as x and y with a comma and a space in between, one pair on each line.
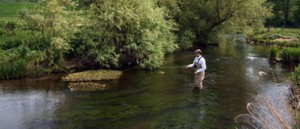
198, 51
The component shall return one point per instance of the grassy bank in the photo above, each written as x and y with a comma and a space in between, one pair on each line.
295, 97
15, 58
279, 37
10, 9
285, 43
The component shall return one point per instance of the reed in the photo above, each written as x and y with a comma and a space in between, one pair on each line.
264, 115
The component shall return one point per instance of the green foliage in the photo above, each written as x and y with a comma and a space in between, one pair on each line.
39, 41
210, 18
17, 57
85, 3
289, 37
20, 62
10, 9
171, 7
55, 22
274, 53
130, 30
285, 13
291, 55
117, 33
187, 39
297, 70
10, 26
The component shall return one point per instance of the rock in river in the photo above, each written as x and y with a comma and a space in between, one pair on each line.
93, 75
86, 86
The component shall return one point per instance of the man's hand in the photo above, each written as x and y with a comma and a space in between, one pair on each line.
195, 72
187, 67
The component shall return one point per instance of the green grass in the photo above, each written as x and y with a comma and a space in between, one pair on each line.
285, 31
12, 1
274, 53
269, 35
8, 19
287, 48
291, 55
10, 9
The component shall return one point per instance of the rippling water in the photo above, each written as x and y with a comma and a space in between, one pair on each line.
162, 98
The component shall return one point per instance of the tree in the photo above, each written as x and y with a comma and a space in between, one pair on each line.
130, 31
296, 15
85, 3
53, 23
285, 13
208, 18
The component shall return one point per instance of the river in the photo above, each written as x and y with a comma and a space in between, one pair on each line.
153, 99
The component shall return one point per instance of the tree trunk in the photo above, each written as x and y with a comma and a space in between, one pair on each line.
286, 13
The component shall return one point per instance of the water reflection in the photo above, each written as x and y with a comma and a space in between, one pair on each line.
149, 99
29, 103
27, 109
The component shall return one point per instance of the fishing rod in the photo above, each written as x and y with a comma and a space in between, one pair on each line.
172, 67
166, 67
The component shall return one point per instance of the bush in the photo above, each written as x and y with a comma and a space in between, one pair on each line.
291, 55
274, 53
130, 31
10, 26
297, 70
187, 39
20, 62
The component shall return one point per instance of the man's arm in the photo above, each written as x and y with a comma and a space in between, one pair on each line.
190, 66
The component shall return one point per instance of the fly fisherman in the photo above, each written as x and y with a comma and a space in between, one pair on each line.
199, 66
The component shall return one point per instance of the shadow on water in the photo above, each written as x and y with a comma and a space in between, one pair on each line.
162, 98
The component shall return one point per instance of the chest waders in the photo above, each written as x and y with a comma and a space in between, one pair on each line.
199, 76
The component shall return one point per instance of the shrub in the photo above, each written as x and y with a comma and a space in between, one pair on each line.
274, 53
297, 70
19, 62
10, 26
134, 31
187, 39
291, 55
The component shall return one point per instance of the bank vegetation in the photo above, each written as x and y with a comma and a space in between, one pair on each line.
53, 36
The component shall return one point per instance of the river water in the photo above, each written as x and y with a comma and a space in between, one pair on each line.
153, 99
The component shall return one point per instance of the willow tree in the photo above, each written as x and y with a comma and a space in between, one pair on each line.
207, 18
53, 23
130, 31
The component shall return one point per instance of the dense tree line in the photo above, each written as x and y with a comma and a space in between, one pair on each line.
119, 33
285, 13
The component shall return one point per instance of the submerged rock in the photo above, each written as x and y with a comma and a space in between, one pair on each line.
93, 75
161, 72
86, 86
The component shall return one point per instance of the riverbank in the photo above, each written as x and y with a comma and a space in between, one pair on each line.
285, 48
285, 43
277, 37
295, 96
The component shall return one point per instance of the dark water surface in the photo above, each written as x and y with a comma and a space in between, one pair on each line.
159, 99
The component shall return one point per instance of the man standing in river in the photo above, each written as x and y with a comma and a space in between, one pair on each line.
199, 65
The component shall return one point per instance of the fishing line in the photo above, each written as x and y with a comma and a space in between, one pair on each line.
172, 67
167, 67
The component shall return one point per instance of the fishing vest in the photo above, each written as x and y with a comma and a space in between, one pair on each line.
197, 65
